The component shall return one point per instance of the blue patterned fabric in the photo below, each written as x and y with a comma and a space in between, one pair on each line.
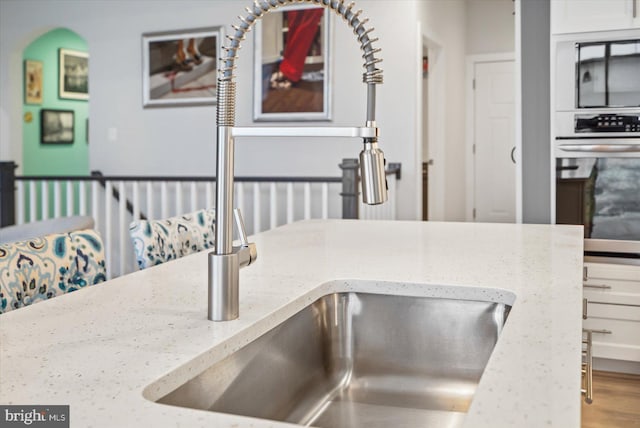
159, 241
41, 268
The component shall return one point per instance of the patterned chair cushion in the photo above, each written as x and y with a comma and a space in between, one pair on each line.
41, 268
159, 241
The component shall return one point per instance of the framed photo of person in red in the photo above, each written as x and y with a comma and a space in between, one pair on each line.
291, 74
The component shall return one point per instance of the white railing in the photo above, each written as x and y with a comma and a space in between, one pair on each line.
114, 202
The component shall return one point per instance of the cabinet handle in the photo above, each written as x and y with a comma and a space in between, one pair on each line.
600, 287
585, 273
585, 303
635, 8
630, 305
600, 331
588, 370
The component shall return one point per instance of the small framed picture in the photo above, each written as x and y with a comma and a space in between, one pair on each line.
73, 74
32, 82
56, 126
179, 68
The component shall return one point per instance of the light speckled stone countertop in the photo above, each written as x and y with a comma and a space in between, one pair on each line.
99, 349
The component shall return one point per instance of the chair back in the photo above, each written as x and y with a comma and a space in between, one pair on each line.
41, 268
159, 241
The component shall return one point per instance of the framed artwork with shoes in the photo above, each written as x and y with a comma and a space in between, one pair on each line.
292, 79
180, 67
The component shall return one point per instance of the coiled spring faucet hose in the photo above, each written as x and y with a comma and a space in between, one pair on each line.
226, 85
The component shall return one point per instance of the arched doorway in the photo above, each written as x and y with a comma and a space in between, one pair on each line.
56, 90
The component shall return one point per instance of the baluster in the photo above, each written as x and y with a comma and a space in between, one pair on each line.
71, 198
45, 200
123, 227
136, 200
389, 205
273, 206
20, 202
392, 202
164, 206
208, 194
94, 203
179, 206
82, 197
150, 200
307, 201
108, 192
33, 215
256, 208
240, 199
289, 203
325, 201
57, 198
193, 189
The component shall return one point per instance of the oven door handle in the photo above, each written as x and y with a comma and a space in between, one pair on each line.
600, 148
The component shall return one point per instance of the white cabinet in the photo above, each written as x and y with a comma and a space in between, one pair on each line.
613, 310
578, 16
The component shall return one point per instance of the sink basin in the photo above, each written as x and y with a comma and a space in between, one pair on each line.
357, 360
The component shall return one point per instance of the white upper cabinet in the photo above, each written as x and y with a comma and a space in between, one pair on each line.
578, 16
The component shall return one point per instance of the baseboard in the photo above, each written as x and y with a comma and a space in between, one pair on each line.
620, 366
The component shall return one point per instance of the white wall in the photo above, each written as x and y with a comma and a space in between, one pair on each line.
490, 26
456, 28
443, 22
180, 141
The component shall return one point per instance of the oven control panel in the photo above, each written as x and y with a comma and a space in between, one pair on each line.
607, 122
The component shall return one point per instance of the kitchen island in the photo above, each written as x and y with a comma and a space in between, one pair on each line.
110, 350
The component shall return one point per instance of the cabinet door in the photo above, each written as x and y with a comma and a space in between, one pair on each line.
613, 311
576, 16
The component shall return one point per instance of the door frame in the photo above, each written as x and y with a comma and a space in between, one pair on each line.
436, 102
471, 61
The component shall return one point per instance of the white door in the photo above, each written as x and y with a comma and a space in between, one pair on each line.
494, 165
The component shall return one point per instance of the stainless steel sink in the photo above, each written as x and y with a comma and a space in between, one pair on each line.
357, 360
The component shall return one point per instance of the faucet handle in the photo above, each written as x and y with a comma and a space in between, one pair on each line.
237, 215
247, 252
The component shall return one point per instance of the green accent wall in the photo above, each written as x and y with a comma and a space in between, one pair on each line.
54, 159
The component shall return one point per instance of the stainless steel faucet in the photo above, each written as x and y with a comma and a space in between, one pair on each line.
226, 260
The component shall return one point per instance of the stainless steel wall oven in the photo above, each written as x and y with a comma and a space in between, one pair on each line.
597, 142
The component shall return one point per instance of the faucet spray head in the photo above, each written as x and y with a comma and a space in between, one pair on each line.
372, 173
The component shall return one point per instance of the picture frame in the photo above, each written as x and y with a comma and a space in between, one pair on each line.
179, 68
33, 81
276, 96
73, 75
57, 126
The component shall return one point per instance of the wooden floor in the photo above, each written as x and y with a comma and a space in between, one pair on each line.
616, 401
303, 97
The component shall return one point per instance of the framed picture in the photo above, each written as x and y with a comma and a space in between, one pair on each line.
292, 78
180, 67
73, 74
56, 126
32, 82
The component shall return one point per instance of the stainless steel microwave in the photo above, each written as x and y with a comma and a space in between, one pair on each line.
597, 87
